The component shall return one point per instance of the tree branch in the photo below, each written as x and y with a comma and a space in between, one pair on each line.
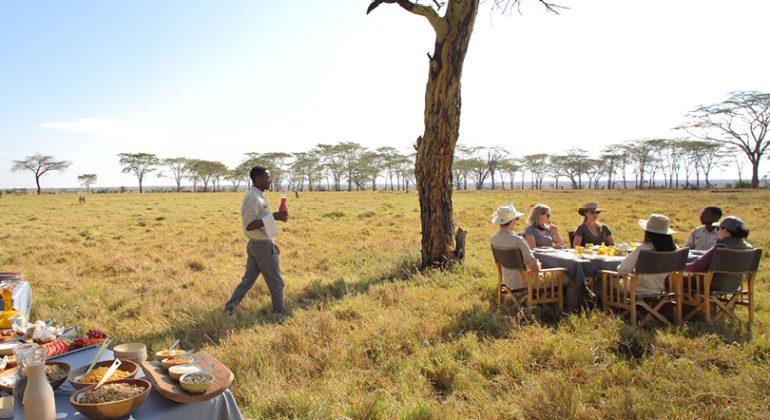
438, 23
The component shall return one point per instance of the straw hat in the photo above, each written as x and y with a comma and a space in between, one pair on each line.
588, 206
657, 223
505, 214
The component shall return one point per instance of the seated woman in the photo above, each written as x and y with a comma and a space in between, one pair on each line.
540, 231
505, 238
591, 231
732, 234
657, 237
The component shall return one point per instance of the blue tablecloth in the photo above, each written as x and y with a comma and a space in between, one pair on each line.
22, 299
221, 407
578, 269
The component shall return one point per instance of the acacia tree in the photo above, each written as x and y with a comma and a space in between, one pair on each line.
87, 180
140, 164
435, 147
178, 167
742, 120
40, 165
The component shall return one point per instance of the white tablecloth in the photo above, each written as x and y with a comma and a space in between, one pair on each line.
156, 407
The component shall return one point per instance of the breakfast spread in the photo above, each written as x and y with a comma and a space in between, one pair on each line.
111, 392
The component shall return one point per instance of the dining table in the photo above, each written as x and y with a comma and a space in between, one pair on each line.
156, 407
580, 267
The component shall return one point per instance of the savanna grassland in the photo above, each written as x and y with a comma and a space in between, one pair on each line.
370, 337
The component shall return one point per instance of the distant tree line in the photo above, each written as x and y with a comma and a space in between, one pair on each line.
730, 133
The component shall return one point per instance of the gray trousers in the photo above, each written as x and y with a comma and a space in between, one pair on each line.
262, 257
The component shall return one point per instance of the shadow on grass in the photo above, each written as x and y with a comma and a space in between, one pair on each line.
211, 326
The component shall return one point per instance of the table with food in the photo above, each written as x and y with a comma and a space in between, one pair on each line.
72, 373
586, 262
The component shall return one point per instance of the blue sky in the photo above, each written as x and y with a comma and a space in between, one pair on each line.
86, 80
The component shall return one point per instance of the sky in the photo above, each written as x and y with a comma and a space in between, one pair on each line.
86, 80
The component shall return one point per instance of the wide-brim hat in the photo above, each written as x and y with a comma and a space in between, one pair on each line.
505, 214
657, 223
731, 223
588, 206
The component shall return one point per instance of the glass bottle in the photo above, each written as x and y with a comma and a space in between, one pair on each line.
39, 403
21, 352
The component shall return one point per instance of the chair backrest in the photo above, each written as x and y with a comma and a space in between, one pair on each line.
571, 235
654, 262
509, 258
735, 261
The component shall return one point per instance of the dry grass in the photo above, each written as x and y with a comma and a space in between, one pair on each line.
368, 337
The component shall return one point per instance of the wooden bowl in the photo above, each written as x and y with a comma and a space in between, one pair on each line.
55, 384
125, 365
11, 373
113, 409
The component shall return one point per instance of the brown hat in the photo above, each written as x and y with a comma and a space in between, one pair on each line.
588, 206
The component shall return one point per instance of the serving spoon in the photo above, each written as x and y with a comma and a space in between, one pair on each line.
109, 373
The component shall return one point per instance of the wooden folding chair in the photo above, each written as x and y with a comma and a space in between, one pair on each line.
619, 290
544, 286
697, 288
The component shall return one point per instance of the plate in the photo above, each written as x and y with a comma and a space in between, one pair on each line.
7, 348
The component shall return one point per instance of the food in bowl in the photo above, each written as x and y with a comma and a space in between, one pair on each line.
111, 392
96, 375
171, 361
168, 353
196, 383
178, 371
54, 372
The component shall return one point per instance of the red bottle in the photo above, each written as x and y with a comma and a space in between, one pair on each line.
284, 207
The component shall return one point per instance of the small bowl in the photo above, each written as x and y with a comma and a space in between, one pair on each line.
55, 384
183, 361
113, 409
196, 388
160, 355
4, 386
177, 371
125, 365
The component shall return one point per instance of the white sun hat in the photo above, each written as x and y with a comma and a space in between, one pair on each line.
657, 223
505, 214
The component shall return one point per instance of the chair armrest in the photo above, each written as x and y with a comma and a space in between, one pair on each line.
552, 270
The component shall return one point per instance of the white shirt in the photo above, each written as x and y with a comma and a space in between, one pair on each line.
647, 282
701, 239
505, 239
254, 207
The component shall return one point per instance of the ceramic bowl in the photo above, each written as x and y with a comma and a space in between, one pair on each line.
168, 362
176, 372
125, 365
135, 352
113, 409
160, 355
197, 388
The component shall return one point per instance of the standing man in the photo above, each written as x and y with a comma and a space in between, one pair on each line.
262, 254
704, 237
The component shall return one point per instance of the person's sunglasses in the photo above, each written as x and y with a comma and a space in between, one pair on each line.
594, 211
547, 214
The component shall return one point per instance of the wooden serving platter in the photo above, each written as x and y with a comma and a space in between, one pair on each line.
169, 387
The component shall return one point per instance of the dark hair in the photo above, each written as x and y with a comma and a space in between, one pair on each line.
714, 210
742, 233
660, 242
257, 171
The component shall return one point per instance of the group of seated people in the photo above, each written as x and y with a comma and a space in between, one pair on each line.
731, 233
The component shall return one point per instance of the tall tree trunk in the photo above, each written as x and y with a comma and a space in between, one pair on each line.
754, 173
435, 148
37, 182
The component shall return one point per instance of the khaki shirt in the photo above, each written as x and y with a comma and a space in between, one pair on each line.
701, 239
254, 207
505, 239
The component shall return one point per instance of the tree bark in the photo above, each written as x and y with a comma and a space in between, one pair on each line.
435, 148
